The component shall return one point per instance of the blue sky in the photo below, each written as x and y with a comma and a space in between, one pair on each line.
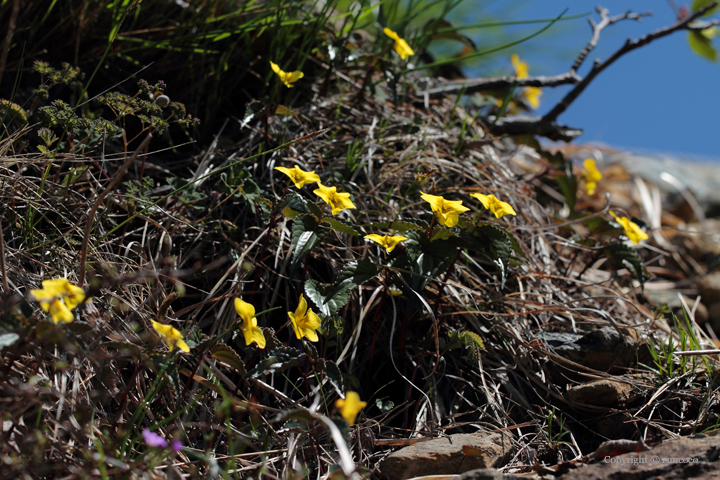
659, 97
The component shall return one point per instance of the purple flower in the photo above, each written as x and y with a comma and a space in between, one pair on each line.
176, 445
152, 439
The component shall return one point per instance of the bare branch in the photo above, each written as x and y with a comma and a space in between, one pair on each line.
597, 28
630, 45
523, 125
481, 84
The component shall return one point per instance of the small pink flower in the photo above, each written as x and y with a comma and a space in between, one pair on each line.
152, 439
176, 445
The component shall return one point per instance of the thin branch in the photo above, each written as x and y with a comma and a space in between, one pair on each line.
629, 46
480, 84
523, 125
597, 28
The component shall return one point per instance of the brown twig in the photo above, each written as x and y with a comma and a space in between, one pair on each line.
8, 36
91, 216
3, 268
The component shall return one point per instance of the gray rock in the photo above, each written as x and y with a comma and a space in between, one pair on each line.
446, 456
604, 349
599, 393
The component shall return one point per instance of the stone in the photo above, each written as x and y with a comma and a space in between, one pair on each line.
686, 457
487, 474
446, 456
710, 288
604, 349
599, 393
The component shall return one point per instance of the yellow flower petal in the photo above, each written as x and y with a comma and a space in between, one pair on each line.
401, 46
490, 202
632, 230
304, 321
591, 175
531, 94
350, 406
287, 77
249, 328
338, 201
57, 297
389, 243
298, 176
171, 335
446, 211
60, 312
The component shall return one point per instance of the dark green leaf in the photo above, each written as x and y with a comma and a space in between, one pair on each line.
698, 4
626, 256
305, 237
353, 275
401, 225
317, 292
341, 226
279, 360
228, 356
334, 376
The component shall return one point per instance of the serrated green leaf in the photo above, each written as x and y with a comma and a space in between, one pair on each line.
441, 233
353, 275
496, 242
702, 45
341, 226
228, 356
279, 360
401, 225
317, 292
305, 237
252, 110
290, 213
473, 343
299, 203
626, 256
334, 376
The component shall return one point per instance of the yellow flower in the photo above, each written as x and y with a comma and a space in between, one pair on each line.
401, 46
350, 406
446, 211
58, 297
299, 177
632, 230
249, 325
591, 175
389, 243
494, 205
288, 78
172, 336
531, 94
338, 201
304, 321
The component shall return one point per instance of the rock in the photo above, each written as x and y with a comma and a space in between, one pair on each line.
604, 349
710, 288
599, 393
487, 474
445, 455
687, 457
671, 298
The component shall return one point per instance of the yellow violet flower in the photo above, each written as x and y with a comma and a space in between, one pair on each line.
496, 206
446, 211
299, 177
338, 201
288, 78
58, 297
350, 406
632, 230
532, 94
171, 335
591, 175
401, 46
249, 327
304, 321
389, 243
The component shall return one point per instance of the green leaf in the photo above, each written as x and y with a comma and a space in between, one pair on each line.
279, 360
698, 4
353, 275
300, 204
317, 292
626, 256
473, 343
253, 109
441, 233
305, 237
400, 225
228, 356
334, 376
495, 241
702, 45
341, 226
